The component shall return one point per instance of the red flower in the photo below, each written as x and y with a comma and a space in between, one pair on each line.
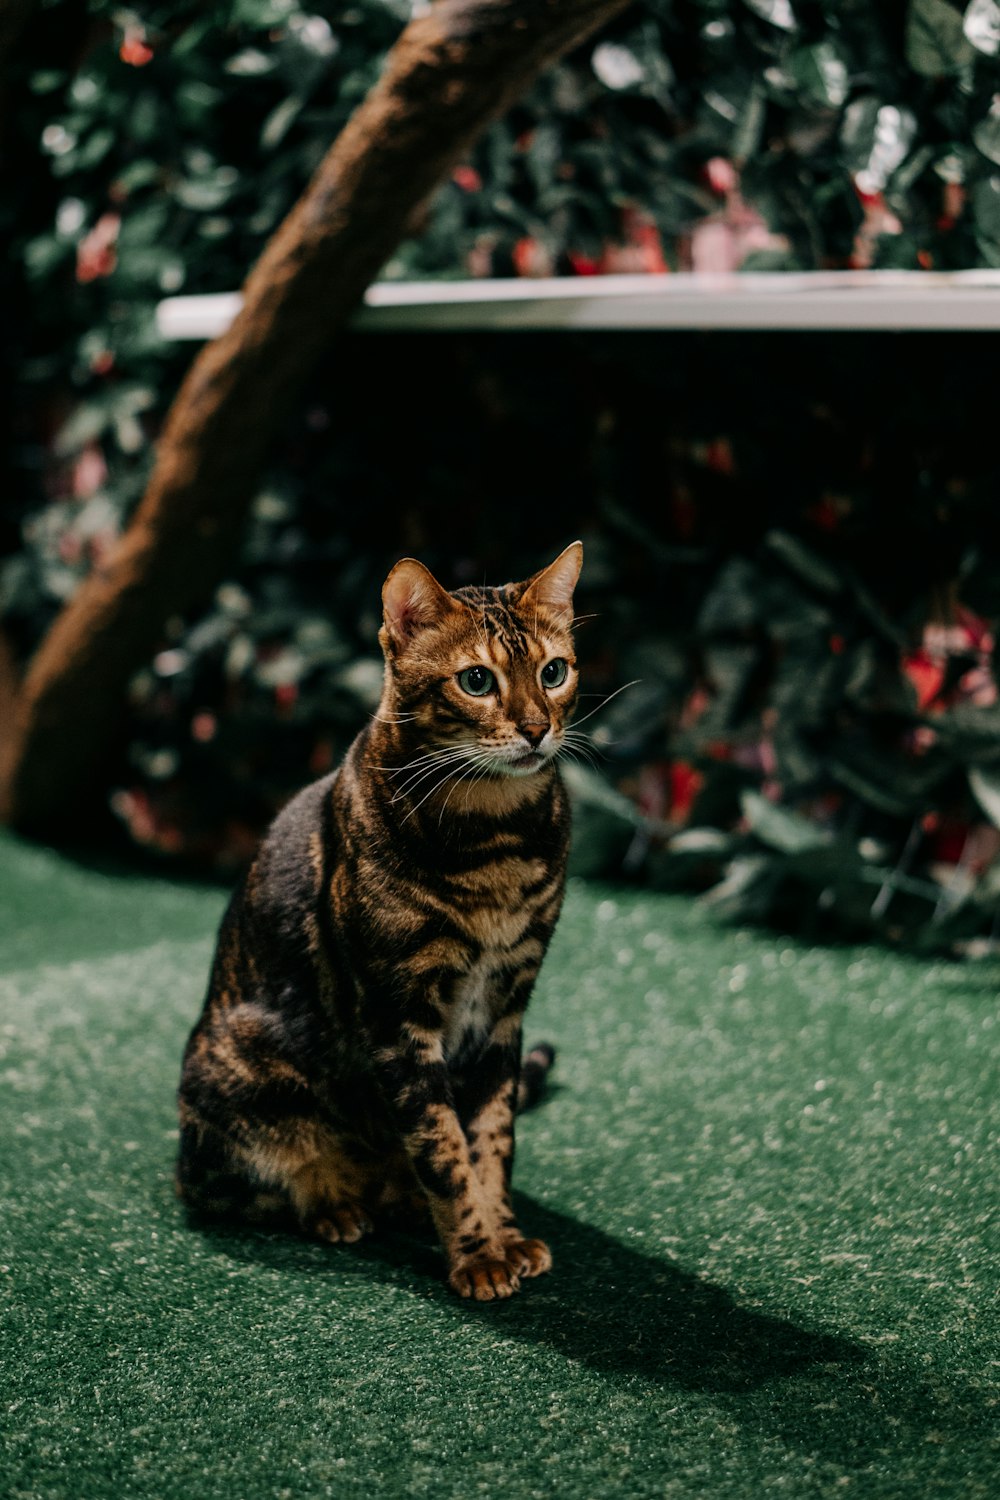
926, 675
95, 254
952, 205
583, 265
203, 727
467, 178
946, 842
977, 630
721, 176
641, 253
134, 49
685, 784
531, 258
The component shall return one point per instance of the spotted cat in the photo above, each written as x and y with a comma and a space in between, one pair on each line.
359, 1052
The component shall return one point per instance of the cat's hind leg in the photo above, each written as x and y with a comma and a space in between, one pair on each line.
295, 1171
312, 1166
254, 1142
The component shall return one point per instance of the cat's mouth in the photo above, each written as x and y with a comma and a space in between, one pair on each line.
525, 762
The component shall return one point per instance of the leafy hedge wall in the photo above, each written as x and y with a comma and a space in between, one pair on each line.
791, 543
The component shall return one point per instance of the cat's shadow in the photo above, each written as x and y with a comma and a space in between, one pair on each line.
606, 1305
632, 1315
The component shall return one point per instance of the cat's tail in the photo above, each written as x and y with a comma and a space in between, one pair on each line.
534, 1074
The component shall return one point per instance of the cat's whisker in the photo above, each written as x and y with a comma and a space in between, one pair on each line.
408, 787
579, 752
576, 751
428, 755
421, 760
414, 775
634, 683
487, 768
445, 763
420, 775
478, 765
581, 737
482, 771
585, 735
436, 787
433, 754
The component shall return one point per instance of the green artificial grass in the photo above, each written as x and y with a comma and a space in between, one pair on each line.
764, 1170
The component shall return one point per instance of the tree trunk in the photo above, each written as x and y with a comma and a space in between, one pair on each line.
451, 72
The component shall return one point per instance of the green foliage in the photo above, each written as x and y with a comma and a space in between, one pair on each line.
769, 528
802, 735
154, 152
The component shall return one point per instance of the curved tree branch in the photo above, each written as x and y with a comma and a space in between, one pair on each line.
451, 72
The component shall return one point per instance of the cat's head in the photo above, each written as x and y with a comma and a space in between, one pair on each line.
486, 673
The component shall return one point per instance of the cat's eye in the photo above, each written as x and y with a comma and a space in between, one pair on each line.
554, 672
476, 681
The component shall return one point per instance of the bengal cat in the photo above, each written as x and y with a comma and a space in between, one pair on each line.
360, 1047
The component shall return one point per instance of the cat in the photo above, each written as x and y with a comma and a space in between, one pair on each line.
359, 1051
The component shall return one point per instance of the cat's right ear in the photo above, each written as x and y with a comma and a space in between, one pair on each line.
412, 599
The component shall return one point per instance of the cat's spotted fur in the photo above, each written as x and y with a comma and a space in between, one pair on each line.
360, 1047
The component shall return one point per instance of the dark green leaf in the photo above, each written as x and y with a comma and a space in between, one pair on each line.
803, 561
250, 63
986, 212
986, 789
986, 133
821, 73
779, 827
279, 122
935, 41
778, 12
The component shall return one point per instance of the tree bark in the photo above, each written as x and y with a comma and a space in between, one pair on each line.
452, 71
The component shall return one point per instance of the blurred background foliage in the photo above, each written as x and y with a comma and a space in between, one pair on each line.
791, 542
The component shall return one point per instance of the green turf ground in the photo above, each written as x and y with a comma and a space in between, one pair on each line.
765, 1174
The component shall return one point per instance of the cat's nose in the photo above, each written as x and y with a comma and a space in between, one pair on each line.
534, 733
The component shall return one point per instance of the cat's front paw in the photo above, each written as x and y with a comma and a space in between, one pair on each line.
487, 1280
528, 1257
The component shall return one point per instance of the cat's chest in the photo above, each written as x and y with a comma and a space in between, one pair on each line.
474, 1005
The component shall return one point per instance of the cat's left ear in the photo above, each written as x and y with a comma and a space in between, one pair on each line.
553, 587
